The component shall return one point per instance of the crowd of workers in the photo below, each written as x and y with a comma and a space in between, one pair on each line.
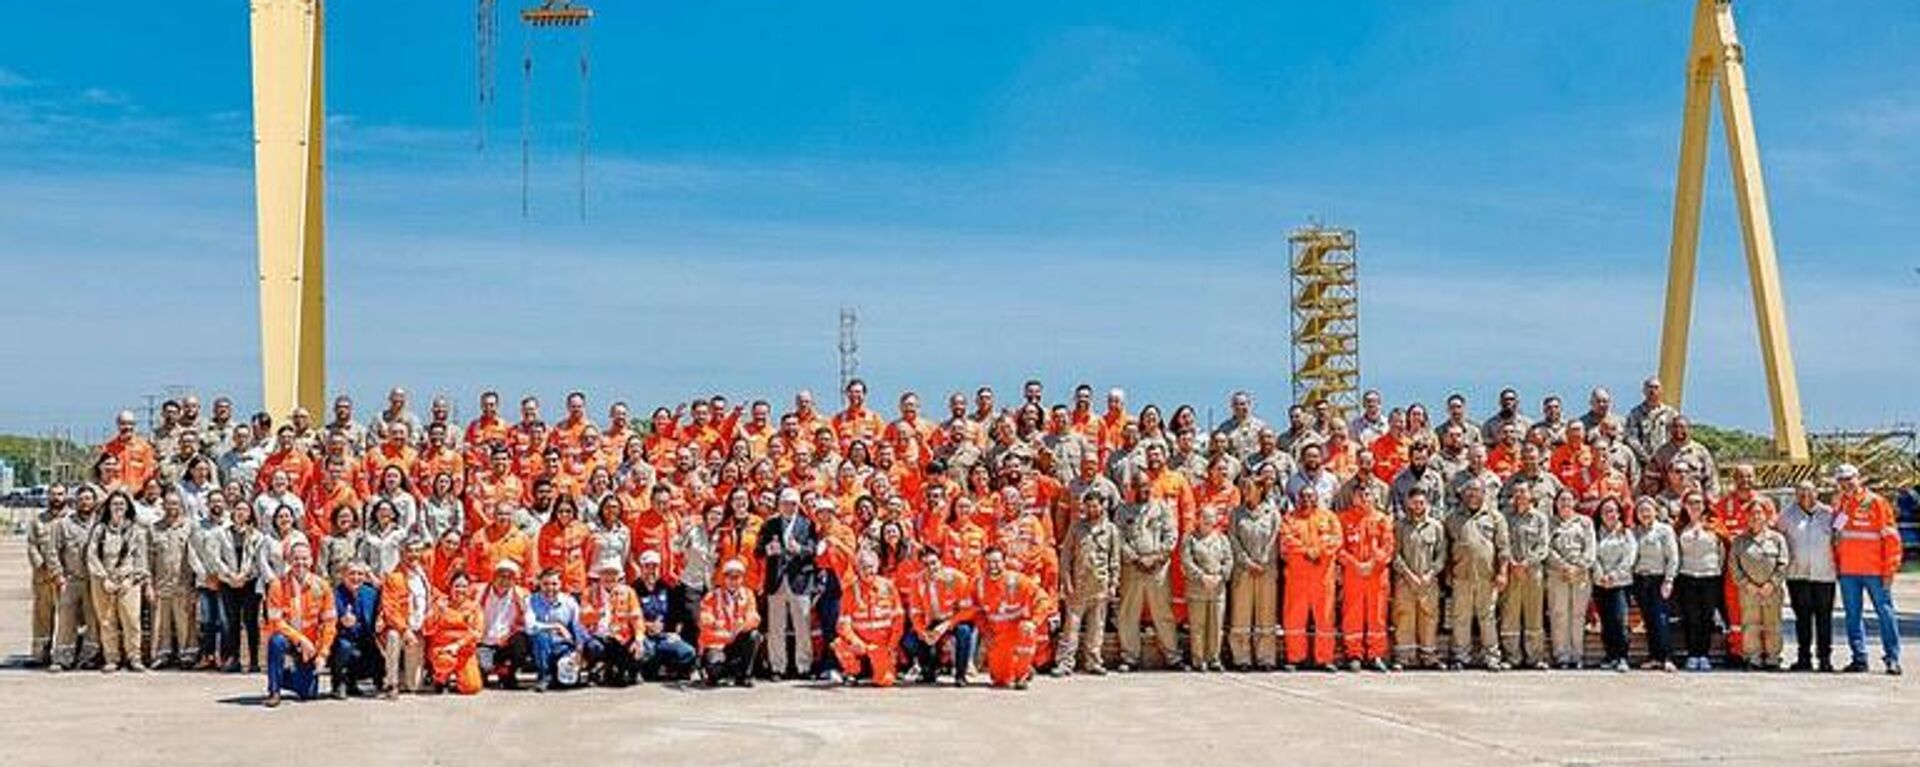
721, 544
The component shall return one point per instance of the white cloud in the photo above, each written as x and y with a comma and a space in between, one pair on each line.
12, 79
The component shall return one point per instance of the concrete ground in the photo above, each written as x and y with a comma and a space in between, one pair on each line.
1471, 718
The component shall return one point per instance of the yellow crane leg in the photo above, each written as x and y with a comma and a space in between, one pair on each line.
1682, 255
289, 119
1717, 58
1756, 229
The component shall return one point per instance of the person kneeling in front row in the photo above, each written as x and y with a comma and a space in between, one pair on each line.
300, 625
662, 653
729, 628
554, 631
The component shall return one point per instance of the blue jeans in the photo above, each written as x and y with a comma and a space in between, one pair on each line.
1613, 620
1653, 613
303, 679
213, 621
665, 652
1875, 588
962, 637
826, 607
547, 651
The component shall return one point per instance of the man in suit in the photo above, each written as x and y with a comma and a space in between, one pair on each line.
788, 544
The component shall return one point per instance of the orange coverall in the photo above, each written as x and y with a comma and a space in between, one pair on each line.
1310, 541
870, 624
1011, 608
453, 637
1366, 538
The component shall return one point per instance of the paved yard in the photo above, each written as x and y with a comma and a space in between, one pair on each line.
1473, 718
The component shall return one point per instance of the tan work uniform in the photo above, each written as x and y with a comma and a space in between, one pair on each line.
1419, 556
117, 562
1430, 478
1090, 560
1479, 546
1243, 435
1760, 571
1571, 547
169, 554
1206, 556
1255, 611
1147, 538
43, 561
1523, 637
75, 607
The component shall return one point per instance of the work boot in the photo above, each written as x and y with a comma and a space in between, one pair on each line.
1803, 665
1893, 668
1826, 666
272, 701
1856, 667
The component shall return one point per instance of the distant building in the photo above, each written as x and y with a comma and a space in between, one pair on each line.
6, 477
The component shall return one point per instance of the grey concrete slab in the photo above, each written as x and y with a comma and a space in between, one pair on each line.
1469, 718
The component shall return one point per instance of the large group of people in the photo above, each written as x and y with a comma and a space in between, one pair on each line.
716, 543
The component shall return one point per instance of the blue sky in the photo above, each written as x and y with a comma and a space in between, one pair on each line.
1093, 191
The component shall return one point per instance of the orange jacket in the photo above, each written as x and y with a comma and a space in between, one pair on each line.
724, 614
138, 461
1366, 537
872, 612
301, 609
1866, 542
432, 462
1730, 515
864, 424
842, 546
1503, 462
483, 433
396, 605
612, 611
1173, 486
1226, 498
964, 547
933, 596
1310, 538
488, 547
1342, 460
564, 547
326, 497
379, 458
1569, 462
441, 566
654, 530
487, 488
1003, 603
910, 440
299, 467
454, 624
1389, 455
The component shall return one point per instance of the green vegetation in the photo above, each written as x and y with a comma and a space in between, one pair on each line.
1730, 444
28, 455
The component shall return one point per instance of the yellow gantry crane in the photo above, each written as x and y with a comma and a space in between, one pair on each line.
1717, 59
289, 157
288, 38
289, 166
